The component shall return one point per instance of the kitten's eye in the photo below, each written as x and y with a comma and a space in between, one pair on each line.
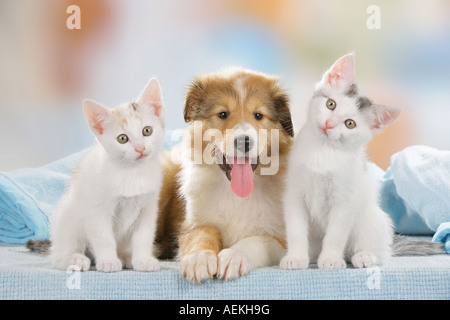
123, 138
223, 115
331, 104
258, 116
147, 131
349, 123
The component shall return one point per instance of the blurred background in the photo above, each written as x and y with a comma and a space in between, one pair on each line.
46, 70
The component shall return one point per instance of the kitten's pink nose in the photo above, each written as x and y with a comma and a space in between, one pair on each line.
329, 125
139, 148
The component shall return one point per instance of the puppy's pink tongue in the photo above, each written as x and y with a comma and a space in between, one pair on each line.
242, 178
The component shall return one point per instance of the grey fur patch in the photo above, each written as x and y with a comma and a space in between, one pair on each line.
405, 246
134, 105
352, 90
363, 103
39, 246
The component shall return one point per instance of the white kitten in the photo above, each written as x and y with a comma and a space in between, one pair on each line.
110, 207
331, 202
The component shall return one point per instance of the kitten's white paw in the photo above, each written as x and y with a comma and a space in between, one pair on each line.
199, 266
108, 264
294, 263
79, 262
331, 262
232, 264
363, 259
74, 262
146, 264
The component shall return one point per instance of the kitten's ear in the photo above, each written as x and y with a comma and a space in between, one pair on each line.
383, 116
151, 96
96, 114
342, 73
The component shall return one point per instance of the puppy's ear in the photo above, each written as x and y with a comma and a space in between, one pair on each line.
283, 114
194, 100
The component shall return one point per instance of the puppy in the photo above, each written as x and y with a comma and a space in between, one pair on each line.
223, 184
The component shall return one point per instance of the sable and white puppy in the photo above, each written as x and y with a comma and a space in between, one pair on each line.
229, 184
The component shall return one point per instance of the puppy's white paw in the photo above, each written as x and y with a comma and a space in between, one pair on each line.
364, 259
199, 266
328, 261
232, 264
108, 264
146, 264
294, 263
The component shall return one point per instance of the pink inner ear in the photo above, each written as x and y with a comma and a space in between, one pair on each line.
97, 125
158, 108
96, 120
384, 116
342, 70
151, 96
96, 114
335, 74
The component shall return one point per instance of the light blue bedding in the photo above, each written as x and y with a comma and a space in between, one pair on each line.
415, 191
29, 196
27, 275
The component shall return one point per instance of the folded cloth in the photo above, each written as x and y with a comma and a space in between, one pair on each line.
415, 191
29, 196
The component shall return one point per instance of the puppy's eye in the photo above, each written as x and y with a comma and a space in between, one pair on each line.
258, 116
147, 131
349, 123
331, 104
223, 115
123, 138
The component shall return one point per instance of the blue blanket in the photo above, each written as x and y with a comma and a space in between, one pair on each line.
29, 196
414, 191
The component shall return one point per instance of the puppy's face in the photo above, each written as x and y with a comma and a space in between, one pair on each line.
245, 118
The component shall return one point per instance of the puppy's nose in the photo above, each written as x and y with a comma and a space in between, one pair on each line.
243, 143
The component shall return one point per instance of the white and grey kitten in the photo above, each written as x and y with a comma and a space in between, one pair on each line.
331, 204
110, 207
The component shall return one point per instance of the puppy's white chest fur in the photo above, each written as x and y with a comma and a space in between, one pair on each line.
235, 217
